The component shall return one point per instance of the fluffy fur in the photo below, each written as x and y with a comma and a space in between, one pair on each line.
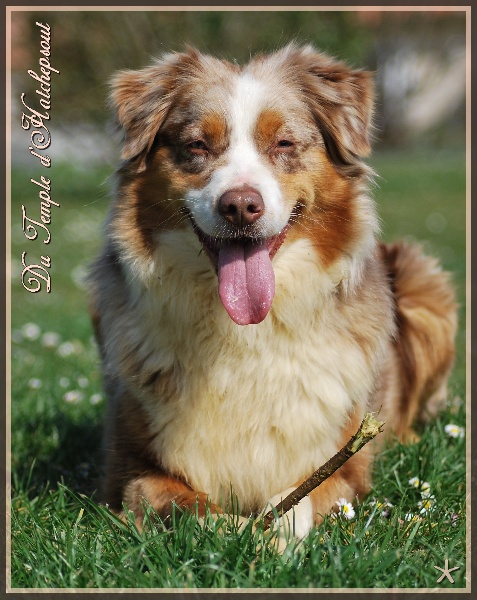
204, 397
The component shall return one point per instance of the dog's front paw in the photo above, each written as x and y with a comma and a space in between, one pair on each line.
221, 522
294, 525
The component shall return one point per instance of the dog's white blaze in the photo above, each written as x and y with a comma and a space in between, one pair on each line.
243, 166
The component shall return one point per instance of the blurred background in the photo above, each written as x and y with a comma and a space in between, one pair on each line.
419, 58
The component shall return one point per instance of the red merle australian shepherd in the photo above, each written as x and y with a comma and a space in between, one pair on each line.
246, 314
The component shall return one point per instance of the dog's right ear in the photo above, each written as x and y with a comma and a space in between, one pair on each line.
141, 99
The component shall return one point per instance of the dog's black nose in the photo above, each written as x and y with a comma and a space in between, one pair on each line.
241, 207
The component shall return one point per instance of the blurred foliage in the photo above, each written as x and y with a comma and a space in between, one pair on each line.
99, 43
88, 46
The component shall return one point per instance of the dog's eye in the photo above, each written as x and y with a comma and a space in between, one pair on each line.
197, 147
285, 145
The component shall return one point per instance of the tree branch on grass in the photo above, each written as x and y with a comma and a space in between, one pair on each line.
368, 429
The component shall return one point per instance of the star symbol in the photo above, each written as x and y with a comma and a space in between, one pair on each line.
446, 572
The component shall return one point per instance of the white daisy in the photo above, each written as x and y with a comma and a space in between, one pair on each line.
411, 517
384, 507
50, 339
78, 275
31, 331
454, 431
83, 382
17, 336
426, 504
425, 489
35, 384
346, 508
423, 486
96, 398
66, 349
73, 396
69, 348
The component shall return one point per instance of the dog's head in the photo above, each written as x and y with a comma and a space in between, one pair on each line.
251, 155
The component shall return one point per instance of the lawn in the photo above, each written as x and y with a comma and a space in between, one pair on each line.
60, 537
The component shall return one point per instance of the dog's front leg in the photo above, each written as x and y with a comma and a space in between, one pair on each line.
162, 492
295, 524
350, 482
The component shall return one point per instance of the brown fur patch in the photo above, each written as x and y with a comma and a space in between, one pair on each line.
327, 217
215, 131
161, 492
269, 123
427, 323
151, 202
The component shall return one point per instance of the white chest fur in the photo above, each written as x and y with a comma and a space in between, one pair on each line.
258, 407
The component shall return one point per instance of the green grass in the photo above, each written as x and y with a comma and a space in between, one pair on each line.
60, 538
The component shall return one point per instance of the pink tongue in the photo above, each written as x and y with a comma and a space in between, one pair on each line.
246, 281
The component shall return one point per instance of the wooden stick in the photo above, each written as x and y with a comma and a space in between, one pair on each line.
368, 429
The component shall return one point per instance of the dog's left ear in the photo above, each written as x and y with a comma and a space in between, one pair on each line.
141, 100
341, 100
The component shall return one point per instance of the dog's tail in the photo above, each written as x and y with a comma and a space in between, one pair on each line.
426, 313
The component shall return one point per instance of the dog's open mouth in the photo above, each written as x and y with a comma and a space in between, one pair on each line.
245, 272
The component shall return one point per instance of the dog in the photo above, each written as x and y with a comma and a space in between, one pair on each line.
246, 312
